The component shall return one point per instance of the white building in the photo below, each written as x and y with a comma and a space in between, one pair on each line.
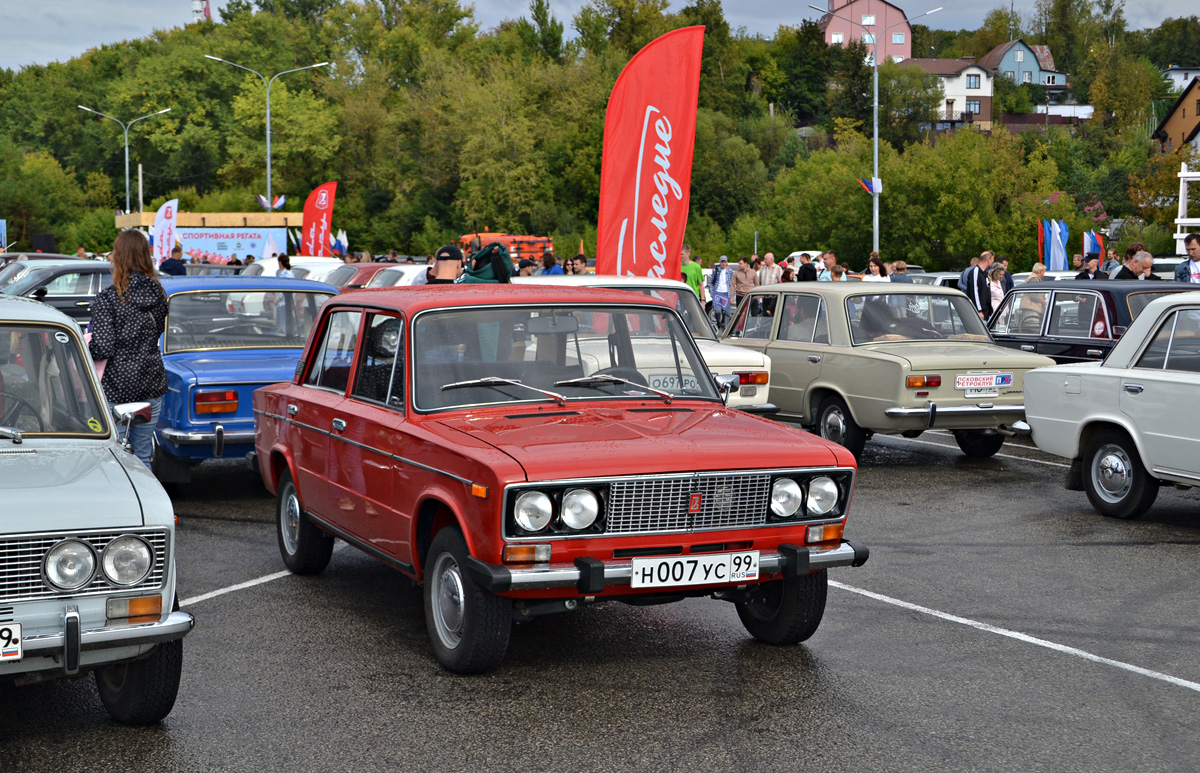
1179, 77
966, 90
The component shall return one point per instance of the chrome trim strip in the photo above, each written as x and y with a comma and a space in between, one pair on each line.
175, 625
1167, 472
181, 438
564, 576
955, 410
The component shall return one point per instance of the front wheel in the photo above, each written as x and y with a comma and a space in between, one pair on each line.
834, 423
786, 611
978, 444
142, 692
305, 548
468, 625
1114, 477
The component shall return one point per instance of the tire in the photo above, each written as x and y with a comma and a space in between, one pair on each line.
1114, 477
169, 469
786, 611
835, 424
468, 626
142, 692
978, 444
304, 547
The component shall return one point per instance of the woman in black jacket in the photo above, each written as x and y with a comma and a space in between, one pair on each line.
127, 320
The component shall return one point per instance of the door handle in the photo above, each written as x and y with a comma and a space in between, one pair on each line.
83, 303
814, 358
292, 409
1095, 353
1028, 348
1134, 389
339, 425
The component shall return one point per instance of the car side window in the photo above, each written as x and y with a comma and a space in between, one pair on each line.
1183, 344
331, 370
1022, 313
1155, 355
799, 322
380, 372
71, 283
752, 322
1078, 315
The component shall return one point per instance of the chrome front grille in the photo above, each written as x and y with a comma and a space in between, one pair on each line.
21, 564
662, 504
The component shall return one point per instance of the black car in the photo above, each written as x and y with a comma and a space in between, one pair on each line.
68, 287
1074, 320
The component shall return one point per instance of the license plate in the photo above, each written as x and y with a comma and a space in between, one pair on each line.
694, 570
10, 641
982, 384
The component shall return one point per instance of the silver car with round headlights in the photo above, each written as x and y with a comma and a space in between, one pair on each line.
87, 535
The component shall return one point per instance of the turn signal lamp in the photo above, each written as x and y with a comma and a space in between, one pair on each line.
919, 382
827, 533
145, 606
216, 401
753, 378
526, 554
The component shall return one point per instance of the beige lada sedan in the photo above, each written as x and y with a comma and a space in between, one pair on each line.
851, 359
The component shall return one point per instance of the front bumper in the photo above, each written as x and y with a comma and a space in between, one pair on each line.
930, 412
69, 644
591, 576
762, 409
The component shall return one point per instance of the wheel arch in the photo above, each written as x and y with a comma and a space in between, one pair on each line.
817, 395
433, 515
1095, 427
279, 462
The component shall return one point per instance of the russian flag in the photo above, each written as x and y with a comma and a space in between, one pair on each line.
1093, 243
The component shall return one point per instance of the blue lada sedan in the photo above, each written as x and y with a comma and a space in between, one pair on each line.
225, 337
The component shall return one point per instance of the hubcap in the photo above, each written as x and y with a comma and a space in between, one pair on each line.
289, 521
1112, 472
833, 426
449, 600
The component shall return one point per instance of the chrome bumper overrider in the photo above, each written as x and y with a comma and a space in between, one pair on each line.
174, 626
590, 575
931, 411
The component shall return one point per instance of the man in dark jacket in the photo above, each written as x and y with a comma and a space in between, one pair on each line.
1091, 270
173, 265
977, 285
806, 272
1132, 268
1189, 270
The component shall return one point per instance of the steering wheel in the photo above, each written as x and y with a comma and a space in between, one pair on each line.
10, 416
629, 374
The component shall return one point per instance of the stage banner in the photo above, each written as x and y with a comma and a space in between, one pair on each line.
162, 237
220, 245
646, 167
318, 212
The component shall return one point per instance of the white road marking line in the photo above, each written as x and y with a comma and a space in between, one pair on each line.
266, 578
1004, 456
1021, 637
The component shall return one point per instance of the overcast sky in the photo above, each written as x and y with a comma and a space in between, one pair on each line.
41, 31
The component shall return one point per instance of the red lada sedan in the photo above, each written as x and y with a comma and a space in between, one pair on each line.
501, 446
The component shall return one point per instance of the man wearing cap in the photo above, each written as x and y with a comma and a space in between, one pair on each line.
720, 287
448, 265
525, 267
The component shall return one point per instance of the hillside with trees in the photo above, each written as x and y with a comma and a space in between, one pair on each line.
435, 127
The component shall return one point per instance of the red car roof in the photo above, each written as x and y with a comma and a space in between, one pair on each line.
421, 297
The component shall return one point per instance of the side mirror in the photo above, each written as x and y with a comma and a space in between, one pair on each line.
130, 414
726, 385
40, 293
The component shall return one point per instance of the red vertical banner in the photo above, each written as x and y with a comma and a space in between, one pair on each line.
646, 170
318, 213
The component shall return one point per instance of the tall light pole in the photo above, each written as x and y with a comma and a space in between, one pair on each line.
875, 183
267, 83
125, 128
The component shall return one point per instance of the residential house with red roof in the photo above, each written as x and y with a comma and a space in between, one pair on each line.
865, 20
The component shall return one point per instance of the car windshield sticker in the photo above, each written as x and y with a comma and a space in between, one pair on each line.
94, 425
61, 337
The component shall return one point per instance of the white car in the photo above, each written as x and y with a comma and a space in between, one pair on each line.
314, 268
752, 369
1130, 422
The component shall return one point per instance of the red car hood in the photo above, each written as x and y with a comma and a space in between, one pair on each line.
601, 441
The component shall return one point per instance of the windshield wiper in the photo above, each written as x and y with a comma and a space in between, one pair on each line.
608, 378
11, 432
495, 381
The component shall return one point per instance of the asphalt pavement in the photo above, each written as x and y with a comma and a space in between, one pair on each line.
999, 625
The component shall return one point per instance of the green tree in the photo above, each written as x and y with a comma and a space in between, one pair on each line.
1174, 42
728, 175
797, 80
908, 102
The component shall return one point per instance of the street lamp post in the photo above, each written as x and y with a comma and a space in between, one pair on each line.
875, 183
268, 84
125, 128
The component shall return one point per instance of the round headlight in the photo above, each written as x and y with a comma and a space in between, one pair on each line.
126, 561
580, 508
69, 565
822, 496
785, 497
533, 511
